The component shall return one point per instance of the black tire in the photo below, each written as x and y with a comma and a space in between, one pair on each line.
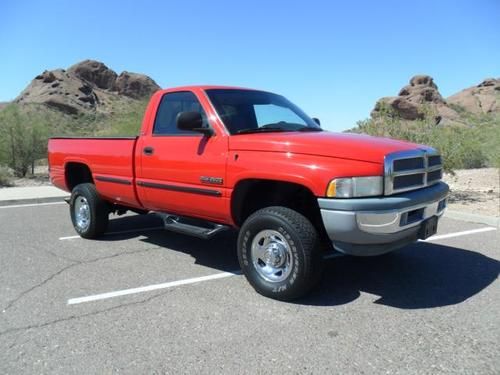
303, 246
97, 214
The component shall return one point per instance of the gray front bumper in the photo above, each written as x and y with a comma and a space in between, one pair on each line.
373, 226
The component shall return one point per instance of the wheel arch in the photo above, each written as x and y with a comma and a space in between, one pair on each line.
250, 195
75, 173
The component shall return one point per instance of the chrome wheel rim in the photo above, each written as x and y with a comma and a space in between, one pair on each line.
272, 255
82, 213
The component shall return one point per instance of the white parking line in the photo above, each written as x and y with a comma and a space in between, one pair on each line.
115, 233
336, 254
433, 238
149, 288
68, 238
222, 275
458, 234
32, 205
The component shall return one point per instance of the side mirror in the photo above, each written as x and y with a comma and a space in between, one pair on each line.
192, 121
316, 120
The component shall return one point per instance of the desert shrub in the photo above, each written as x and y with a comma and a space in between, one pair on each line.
460, 147
125, 123
472, 143
24, 139
26, 128
5, 176
488, 129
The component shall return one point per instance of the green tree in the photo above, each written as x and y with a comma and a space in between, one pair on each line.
24, 140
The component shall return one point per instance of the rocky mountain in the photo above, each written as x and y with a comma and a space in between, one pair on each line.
483, 98
421, 98
86, 87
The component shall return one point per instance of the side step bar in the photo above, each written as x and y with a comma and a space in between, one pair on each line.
192, 227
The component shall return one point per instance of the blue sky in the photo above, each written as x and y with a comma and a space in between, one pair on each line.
334, 59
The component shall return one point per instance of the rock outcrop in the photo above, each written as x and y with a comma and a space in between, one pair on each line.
416, 100
61, 91
95, 73
134, 85
86, 87
483, 98
421, 98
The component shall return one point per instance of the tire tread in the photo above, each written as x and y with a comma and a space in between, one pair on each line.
98, 207
309, 239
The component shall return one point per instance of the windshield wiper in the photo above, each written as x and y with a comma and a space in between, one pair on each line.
261, 130
309, 129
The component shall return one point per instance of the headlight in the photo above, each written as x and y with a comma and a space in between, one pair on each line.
355, 187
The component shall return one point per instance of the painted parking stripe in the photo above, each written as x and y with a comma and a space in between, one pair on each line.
31, 205
222, 275
115, 233
335, 254
433, 238
68, 238
458, 234
150, 288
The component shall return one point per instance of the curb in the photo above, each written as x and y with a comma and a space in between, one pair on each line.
32, 201
473, 218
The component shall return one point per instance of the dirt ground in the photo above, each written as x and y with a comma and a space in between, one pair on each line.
40, 178
475, 191
472, 190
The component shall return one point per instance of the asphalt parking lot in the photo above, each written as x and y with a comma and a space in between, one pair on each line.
142, 300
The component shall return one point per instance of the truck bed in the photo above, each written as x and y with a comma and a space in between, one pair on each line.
111, 160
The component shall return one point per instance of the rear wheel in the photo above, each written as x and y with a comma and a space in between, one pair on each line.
279, 253
89, 213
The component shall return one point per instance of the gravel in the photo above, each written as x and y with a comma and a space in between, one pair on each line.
475, 191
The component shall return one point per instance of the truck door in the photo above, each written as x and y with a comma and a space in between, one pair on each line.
182, 172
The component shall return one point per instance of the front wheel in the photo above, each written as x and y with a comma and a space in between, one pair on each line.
279, 253
89, 213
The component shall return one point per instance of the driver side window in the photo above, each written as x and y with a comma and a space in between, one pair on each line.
170, 106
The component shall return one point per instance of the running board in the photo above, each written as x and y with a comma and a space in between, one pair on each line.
191, 227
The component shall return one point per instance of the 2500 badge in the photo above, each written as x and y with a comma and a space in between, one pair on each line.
212, 180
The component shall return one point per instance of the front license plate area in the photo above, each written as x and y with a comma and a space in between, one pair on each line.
428, 228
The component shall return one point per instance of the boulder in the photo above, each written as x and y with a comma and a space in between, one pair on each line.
423, 80
46, 77
421, 90
416, 99
94, 72
134, 85
400, 105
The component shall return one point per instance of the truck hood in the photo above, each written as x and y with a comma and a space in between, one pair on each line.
339, 145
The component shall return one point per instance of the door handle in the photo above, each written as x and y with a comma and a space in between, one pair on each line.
148, 150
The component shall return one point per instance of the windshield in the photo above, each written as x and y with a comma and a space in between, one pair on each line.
249, 111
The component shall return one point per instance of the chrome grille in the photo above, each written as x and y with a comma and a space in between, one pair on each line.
410, 163
411, 170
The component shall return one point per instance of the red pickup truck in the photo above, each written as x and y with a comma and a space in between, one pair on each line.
209, 158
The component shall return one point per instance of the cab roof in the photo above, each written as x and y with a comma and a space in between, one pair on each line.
205, 87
